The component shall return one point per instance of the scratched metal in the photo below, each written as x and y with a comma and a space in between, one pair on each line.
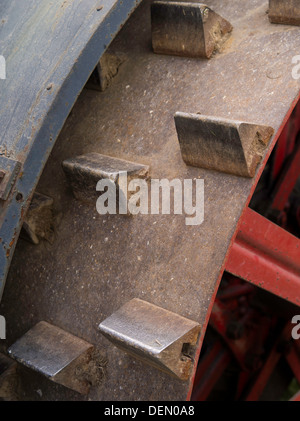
154, 335
98, 263
54, 353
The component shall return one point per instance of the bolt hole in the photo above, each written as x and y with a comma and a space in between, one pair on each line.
19, 197
187, 351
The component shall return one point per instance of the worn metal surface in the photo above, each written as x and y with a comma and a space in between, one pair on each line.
39, 220
233, 147
50, 50
284, 11
5, 364
56, 354
83, 173
105, 71
8, 378
187, 29
154, 335
98, 263
287, 181
9, 170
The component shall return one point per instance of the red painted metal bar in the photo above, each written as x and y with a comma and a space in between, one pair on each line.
263, 377
280, 152
287, 181
243, 380
286, 142
210, 370
235, 291
293, 360
267, 256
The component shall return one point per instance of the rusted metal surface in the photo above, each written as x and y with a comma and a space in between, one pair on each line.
230, 146
56, 354
187, 29
98, 263
105, 71
286, 143
39, 220
284, 11
286, 183
154, 335
85, 171
8, 379
9, 171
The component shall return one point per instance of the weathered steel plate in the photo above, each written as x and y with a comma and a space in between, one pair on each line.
49, 50
98, 263
9, 169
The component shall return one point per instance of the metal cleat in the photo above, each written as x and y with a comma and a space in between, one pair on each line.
38, 223
84, 172
105, 71
284, 11
187, 29
58, 355
154, 335
229, 146
8, 378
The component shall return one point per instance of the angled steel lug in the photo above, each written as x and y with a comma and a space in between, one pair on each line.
284, 11
56, 354
8, 378
9, 169
38, 222
84, 172
6, 364
187, 29
154, 335
105, 71
229, 146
